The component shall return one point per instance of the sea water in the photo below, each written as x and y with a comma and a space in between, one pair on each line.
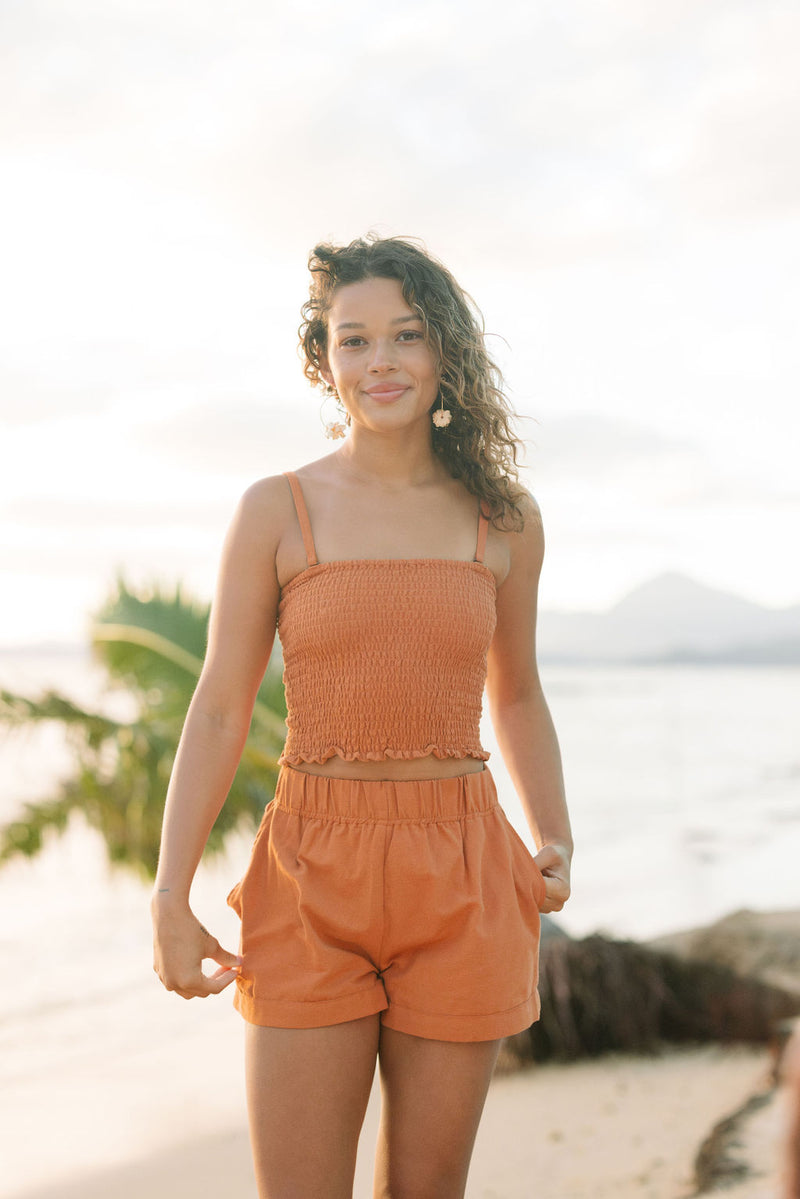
683, 785
684, 791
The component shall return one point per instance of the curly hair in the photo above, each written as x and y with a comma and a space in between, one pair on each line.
478, 446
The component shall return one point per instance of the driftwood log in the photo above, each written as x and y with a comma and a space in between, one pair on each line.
600, 995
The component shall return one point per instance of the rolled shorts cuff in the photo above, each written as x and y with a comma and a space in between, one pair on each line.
436, 1026
317, 1013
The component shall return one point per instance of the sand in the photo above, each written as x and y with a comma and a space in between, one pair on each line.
128, 1092
619, 1126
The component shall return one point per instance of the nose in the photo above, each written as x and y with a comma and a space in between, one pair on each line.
382, 357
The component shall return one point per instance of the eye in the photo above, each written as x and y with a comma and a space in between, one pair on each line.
352, 341
411, 335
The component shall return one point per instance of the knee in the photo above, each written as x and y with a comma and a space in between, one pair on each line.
444, 1182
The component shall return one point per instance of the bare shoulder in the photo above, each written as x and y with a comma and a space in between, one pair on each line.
524, 548
531, 512
245, 604
265, 508
271, 492
533, 530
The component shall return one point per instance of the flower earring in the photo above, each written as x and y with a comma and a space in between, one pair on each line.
442, 416
334, 429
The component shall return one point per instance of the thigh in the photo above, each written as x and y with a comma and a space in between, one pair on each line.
433, 1097
307, 1091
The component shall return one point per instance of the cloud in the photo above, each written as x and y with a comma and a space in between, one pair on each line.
615, 180
585, 127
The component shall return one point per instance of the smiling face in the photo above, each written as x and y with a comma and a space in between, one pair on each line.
377, 358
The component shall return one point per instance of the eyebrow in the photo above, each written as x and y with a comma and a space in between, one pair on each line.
398, 320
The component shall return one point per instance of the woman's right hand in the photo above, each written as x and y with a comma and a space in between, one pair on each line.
180, 943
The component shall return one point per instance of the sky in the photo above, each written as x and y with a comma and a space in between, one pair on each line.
616, 183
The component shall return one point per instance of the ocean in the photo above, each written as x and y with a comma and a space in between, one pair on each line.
684, 791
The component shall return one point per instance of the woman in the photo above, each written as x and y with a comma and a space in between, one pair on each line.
389, 911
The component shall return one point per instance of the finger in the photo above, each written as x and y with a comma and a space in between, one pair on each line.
210, 984
235, 971
187, 984
557, 885
219, 980
212, 949
556, 894
185, 990
224, 957
549, 857
198, 989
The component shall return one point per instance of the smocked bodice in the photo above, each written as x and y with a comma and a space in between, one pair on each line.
385, 658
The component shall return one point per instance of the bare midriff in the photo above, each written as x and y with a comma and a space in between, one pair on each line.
429, 767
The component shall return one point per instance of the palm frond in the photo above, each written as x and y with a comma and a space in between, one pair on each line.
118, 636
26, 836
155, 645
151, 644
19, 711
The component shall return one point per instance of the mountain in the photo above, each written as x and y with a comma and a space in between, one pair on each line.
670, 618
673, 618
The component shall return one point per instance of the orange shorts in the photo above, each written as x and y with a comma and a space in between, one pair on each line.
415, 899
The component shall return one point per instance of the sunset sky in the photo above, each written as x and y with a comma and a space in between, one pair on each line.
617, 183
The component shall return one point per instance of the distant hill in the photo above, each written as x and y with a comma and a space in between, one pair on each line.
670, 618
673, 618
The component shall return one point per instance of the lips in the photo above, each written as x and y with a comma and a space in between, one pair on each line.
386, 392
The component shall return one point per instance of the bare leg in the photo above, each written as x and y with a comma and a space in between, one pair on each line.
307, 1091
433, 1097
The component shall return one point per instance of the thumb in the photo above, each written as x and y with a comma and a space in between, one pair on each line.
548, 857
223, 957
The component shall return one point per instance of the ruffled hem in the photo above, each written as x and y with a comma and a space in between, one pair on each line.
430, 751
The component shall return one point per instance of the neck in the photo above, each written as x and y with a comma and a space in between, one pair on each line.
395, 460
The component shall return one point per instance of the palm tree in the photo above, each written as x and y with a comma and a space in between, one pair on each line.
151, 644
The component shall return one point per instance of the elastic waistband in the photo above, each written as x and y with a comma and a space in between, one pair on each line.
385, 801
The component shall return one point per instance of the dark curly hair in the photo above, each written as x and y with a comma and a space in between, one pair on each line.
478, 446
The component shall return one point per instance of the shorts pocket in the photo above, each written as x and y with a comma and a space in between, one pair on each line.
526, 861
234, 899
539, 884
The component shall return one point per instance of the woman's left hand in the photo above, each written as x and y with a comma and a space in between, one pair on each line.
554, 863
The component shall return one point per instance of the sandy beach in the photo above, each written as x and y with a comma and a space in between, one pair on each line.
152, 1104
617, 1126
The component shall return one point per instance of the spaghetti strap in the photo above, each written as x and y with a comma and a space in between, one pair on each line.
302, 516
483, 529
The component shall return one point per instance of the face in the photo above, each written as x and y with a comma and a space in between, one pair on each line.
386, 374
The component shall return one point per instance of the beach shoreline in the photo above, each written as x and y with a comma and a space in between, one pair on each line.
152, 1100
617, 1126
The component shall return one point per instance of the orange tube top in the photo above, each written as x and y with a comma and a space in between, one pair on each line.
385, 658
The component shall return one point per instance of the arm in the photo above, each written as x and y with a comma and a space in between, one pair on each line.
241, 633
520, 715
